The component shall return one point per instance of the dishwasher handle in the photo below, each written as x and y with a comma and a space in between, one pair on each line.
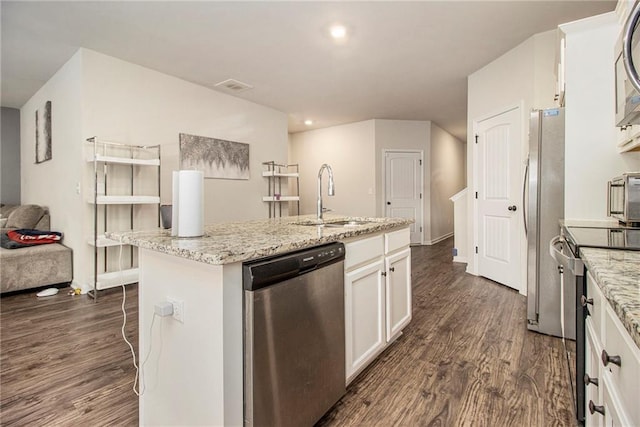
263, 272
557, 247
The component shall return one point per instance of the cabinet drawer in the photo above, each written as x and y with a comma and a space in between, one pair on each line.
396, 240
625, 378
361, 251
595, 309
614, 413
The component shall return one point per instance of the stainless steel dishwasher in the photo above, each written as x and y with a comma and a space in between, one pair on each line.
294, 367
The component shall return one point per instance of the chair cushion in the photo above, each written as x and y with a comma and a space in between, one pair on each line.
25, 216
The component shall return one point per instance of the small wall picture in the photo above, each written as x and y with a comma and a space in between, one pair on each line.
217, 158
43, 133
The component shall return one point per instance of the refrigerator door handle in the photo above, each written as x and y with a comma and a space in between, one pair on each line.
524, 196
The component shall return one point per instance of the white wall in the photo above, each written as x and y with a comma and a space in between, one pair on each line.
591, 156
97, 95
10, 156
349, 150
523, 76
447, 172
53, 183
404, 135
355, 151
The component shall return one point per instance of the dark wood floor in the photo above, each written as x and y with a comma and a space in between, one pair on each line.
63, 360
465, 359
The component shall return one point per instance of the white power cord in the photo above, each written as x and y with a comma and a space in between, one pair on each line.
124, 324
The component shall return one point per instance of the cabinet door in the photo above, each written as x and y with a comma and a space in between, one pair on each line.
364, 316
398, 290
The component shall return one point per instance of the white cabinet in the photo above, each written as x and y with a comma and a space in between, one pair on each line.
613, 361
628, 138
364, 323
398, 283
377, 296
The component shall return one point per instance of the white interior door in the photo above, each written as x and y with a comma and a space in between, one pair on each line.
499, 142
403, 189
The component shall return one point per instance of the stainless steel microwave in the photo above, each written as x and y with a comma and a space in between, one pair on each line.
627, 79
623, 198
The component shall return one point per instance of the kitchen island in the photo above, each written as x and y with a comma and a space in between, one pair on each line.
194, 371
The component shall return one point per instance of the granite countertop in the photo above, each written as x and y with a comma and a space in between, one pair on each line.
229, 242
617, 274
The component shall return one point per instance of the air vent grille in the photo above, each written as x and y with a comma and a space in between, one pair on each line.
232, 85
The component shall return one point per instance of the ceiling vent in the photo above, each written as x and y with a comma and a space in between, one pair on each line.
232, 85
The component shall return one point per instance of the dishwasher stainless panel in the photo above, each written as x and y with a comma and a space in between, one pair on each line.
294, 337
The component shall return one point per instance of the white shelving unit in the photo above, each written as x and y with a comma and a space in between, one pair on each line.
117, 168
276, 174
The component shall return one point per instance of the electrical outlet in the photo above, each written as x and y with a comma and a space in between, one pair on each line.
178, 309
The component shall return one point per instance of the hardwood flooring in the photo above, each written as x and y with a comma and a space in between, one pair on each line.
466, 358
63, 360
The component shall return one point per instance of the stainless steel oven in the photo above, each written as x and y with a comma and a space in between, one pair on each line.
572, 272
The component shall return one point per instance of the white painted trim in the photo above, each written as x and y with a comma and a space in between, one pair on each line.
384, 184
459, 195
440, 239
462, 259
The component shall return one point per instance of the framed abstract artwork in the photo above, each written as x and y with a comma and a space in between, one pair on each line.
217, 158
43, 133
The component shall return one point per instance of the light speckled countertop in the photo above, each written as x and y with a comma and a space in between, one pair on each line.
229, 242
617, 274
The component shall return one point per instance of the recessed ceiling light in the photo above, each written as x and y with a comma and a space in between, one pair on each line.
338, 31
308, 122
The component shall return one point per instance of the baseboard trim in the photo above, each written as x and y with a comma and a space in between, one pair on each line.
439, 239
462, 259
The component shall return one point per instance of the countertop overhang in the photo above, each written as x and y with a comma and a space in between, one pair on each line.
229, 242
617, 274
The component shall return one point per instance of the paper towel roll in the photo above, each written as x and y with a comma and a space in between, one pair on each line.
188, 204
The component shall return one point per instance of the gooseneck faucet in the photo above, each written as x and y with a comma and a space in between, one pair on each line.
331, 190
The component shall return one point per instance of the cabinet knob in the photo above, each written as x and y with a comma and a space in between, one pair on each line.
388, 203
595, 408
584, 301
383, 273
512, 208
606, 359
392, 269
588, 380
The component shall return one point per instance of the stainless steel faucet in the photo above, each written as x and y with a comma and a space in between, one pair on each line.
331, 190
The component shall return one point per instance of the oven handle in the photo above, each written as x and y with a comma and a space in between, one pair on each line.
556, 250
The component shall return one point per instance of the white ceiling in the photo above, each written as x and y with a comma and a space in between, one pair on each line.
402, 60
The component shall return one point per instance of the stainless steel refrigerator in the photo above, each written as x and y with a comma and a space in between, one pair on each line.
550, 302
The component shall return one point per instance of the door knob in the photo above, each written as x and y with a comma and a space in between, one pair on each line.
512, 208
